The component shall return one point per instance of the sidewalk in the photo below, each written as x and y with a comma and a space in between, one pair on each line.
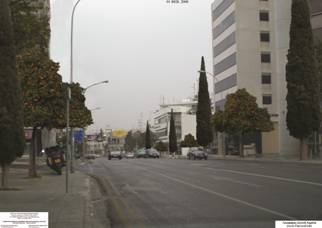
47, 194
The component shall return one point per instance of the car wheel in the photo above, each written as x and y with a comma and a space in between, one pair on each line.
194, 157
109, 158
206, 158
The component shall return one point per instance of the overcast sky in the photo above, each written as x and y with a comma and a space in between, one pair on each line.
147, 49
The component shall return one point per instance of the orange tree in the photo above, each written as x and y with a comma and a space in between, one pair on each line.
80, 115
43, 97
242, 115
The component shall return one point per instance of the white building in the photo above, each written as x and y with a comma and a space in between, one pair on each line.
250, 44
95, 145
184, 116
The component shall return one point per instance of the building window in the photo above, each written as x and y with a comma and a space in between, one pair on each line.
265, 57
267, 99
266, 78
265, 37
263, 16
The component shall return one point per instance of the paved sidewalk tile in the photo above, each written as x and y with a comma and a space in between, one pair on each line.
47, 194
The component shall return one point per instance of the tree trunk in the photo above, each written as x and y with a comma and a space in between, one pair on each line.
241, 145
303, 150
4, 176
32, 155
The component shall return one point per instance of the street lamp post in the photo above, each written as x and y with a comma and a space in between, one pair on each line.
94, 109
72, 160
94, 84
68, 134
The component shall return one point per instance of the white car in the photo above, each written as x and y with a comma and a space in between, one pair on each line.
115, 154
129, 155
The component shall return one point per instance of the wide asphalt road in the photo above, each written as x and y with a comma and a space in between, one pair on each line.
212, 193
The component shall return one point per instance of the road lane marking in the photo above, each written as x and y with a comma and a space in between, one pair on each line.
225, 196
269, 177
236, 181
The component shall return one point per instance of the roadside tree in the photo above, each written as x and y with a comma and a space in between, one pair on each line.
217, 121
30, 29
147, 136
80, 115
130, 143
242, 115
189, 141
318, 49
204, 129
161, 146
173, 147
11, 114
303, 84
42, 96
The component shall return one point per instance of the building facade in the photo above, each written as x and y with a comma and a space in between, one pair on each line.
95, 144
250, 45
184, 118
115, 139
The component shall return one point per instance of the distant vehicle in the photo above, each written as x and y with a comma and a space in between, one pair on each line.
91, 156
115, 154
197, 153
141, 153
129, 155
153, 153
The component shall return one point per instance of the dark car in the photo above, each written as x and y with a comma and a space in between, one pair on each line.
152, 153
197, 153
115, 154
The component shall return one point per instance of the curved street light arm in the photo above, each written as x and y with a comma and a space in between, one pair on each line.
94, 84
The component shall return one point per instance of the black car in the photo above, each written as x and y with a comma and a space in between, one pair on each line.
197, 153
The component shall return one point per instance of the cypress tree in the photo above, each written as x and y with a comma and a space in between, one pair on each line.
11, 115
204, 129
172, 135
147, 136
303, 85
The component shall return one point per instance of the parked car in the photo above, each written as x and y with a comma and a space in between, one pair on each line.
153, 153
141, 153
129, 155
91, 156
197, 153
115, 154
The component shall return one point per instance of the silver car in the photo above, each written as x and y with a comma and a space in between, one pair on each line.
152, 153
197, 153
